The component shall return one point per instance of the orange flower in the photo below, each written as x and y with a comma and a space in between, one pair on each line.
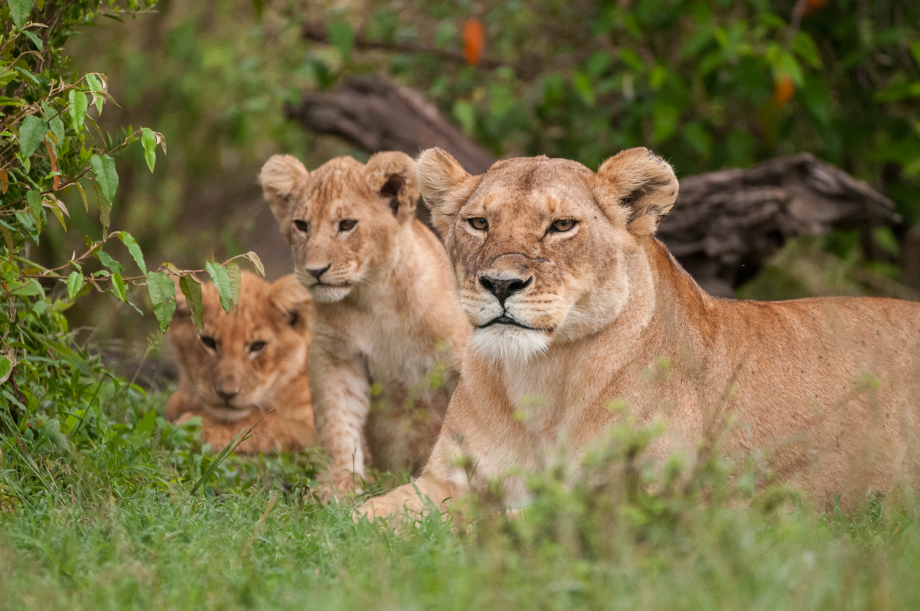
783, 91
473, 40
813, 5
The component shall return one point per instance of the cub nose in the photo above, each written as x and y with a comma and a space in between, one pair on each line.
226, 394
503, 288
316, 273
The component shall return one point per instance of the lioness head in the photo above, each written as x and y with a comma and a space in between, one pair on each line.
539, 247
342, 219
239, 360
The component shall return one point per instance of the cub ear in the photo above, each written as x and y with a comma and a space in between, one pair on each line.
641, 183
391, 175
281, 176
440, 177
293, 300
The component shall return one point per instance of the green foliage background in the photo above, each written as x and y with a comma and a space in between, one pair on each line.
104, 504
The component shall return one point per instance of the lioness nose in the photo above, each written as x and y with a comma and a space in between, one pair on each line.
316, 273
227, 394
503, 288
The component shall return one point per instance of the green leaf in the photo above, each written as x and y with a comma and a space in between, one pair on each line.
128, 240
35, 40
665, 117
107, 260
465, 113
233, 270
805, 47
582, 85
192, 291
74, 284
162, 290
118, 288
57, 128
884, 237
106, 176
83, 197
221, 279
31, 134
342, 37
34, 198
78, 105
149, 140
19, 11
105, 208
6, 367
95, 85
143, 430
29, 289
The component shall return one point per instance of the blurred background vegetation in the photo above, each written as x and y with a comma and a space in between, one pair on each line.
707, 84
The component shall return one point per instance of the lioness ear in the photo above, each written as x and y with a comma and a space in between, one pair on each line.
281, 176
440, 176
293, 300
641, 182
391, 175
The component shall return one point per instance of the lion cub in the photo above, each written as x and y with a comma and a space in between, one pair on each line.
246, 365
389, 333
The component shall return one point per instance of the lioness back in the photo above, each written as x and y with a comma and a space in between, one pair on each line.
246, 365
389, 334
575, 304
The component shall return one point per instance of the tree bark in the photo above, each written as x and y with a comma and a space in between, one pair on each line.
723, 228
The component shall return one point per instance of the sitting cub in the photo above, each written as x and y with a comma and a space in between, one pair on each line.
385, 308
246, 365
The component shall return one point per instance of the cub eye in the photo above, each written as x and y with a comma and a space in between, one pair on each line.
479, 223
347, 225
256, 347
302, 225
562, 225
208, 342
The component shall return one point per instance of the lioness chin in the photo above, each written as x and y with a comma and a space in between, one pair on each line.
574, 304
385, 310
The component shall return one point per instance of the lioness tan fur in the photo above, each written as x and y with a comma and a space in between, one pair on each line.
245, 365
575, 304
385, 309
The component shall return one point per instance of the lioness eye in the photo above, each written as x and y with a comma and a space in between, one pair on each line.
562, 225
347, 225
208, 342
256, 347
301, 225
479, 223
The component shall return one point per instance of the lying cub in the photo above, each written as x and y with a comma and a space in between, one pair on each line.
575, 304
385, 309
246, 365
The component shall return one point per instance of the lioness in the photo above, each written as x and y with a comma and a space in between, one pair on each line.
245, 365
385, 309
575, 304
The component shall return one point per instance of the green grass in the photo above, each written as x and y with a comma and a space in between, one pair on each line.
118, 527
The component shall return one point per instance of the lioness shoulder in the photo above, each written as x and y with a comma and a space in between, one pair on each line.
573, 302
246, 365
389, 334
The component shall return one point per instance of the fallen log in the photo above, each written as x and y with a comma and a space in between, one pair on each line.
723, 228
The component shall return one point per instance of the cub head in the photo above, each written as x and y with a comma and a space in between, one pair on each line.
239, 360
540, 247
342, 220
